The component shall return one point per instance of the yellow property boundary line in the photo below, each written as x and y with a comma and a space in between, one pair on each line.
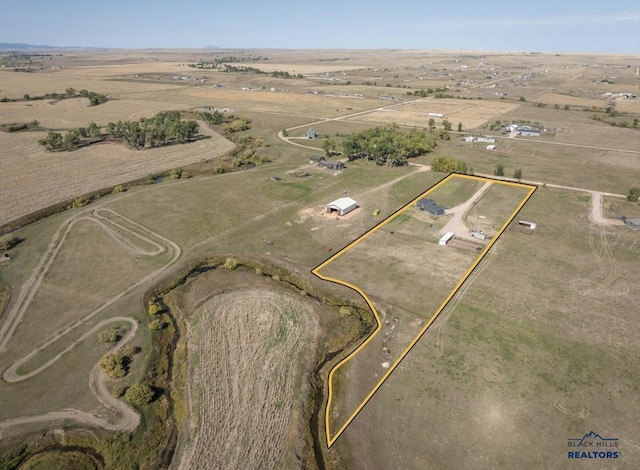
316, 271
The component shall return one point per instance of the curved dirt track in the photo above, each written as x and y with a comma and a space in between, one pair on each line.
130, 419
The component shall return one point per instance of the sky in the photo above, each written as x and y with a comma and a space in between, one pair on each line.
533, 26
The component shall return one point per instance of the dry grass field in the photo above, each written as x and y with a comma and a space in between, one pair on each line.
538, 346
404, 271
529, 351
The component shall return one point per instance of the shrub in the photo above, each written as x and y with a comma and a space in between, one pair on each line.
156, 324
109, 336
9, 241
139, 394
80, 201
113, 365
154, 308
119, 189
231, 263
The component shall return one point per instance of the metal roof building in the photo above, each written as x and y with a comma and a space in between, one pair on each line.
430, 206
633, 223
342, 206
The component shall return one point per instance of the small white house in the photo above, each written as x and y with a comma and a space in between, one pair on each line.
342, 206
446, 238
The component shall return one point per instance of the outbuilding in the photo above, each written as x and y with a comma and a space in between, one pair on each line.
530, 225
316, 159
446, 238
633, 223
332, 165
342, 206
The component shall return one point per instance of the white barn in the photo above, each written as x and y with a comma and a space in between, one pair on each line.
342, 206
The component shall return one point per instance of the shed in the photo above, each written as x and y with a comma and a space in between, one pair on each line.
316, 159
491, 147
430, 206
331, 165
342, 206
531, 225
311, 134
446, 238
633, 223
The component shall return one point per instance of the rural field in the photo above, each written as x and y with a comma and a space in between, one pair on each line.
188, 319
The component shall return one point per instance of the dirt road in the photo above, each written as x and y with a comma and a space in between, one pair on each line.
595, 214
456, 223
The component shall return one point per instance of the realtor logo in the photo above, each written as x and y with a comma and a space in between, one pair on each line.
593, 446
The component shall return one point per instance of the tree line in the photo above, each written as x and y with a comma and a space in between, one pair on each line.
94, 98
163, 129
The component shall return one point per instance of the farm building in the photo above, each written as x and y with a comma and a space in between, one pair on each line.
633, 223
529, 131
331, 165
311, 134
342, 206
430, 206
437, 115
480, 138
316, 159
491, 147
446, 238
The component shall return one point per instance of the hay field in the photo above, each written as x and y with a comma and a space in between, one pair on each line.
305, 69
97, 79
557, 98
34, 178
472, 113
299, 104
76, 112
246, 382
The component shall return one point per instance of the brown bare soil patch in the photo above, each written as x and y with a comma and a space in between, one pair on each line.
245, 385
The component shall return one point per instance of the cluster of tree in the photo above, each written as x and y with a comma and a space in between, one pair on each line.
388, 145
448, 165
281, 74
634, 195
330, 147
225, 59
499, 171
162, 129
20, 126
230, 122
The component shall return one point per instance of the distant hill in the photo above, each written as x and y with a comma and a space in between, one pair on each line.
18, 46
